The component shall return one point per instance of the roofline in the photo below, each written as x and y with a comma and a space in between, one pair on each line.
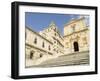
74, 20
76, 32
56, 28
38, 34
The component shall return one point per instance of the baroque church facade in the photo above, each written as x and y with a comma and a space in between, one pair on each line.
49, 43
76, 36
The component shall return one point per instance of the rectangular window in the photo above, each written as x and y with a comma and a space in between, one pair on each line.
35, 41
43, 45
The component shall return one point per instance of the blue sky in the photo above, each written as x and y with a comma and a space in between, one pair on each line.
40, 21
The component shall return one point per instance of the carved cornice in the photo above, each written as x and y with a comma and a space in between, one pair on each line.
37, 48
76, 32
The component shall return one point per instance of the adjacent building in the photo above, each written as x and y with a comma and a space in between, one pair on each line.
52, 34
36, 45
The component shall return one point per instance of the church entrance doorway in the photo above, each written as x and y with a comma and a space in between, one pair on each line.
76, 46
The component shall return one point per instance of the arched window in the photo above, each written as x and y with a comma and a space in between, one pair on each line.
41, 55
31, 54
43, 45
35, 40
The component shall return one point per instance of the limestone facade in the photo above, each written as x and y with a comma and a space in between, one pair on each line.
76, 36
52, 34
36, 45
49, 43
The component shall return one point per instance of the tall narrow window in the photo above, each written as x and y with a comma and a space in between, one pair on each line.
43, 45
73, 27
55, 34
35, 40
49, 47
31, 54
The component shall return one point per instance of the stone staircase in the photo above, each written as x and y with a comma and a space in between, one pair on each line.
66, 60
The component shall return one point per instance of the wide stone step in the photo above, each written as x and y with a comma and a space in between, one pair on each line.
59, 60
66, 60
66, 63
